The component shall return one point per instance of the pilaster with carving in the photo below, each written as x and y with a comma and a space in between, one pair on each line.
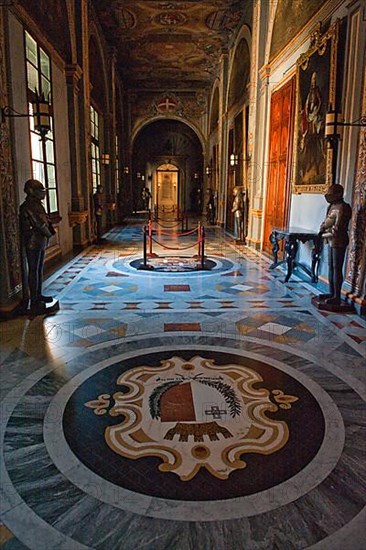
83, 201
223, 139
10, 272
356, 265
111, 186
259, 80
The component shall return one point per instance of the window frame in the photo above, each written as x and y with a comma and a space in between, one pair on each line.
45, 160
95, 123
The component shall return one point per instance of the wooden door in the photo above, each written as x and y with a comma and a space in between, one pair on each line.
280, 154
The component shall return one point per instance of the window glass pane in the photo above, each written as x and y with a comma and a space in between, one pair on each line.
49, 151
31, 49
36, 145
51, 175
31, 119
52, 196
46, 88
38, 171
45, 63
32, 77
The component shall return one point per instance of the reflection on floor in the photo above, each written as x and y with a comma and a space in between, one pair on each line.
190, 410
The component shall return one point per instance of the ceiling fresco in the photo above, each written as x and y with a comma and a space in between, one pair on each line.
171, 45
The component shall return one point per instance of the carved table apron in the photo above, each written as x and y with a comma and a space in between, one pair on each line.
292, 236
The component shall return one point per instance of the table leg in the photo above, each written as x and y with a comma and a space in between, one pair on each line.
275, 248
315, 258
291, 247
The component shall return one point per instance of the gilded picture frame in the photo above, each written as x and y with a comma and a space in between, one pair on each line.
315, 93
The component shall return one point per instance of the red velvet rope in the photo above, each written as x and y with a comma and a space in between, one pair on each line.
167, 226
175, 234
174, 248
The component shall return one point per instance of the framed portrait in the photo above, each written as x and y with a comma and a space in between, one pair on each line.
315, 93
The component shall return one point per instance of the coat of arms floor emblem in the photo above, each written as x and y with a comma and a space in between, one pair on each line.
194, 414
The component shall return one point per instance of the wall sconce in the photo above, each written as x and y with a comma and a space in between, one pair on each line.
138, 175
196, 176
105, 159
41, 112
333, 124
234, 160
208, 171
126, 170
142, 177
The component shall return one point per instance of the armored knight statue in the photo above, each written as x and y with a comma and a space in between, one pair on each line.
98, 211
146, 196
35, 231
238, 210
210, 207
334, 230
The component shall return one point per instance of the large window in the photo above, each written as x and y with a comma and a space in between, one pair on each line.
94, 147
42, 151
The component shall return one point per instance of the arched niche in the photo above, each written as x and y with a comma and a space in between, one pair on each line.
239, 76
167, 141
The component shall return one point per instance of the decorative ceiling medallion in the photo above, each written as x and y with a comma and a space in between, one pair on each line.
125, 18
195, 414
171, 18
223, 20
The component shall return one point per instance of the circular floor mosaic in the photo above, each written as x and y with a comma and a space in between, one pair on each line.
174, 264
203, 425
170, 265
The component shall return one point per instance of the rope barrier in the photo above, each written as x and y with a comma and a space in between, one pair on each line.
167, 226
148, 234
175, 234
174, 248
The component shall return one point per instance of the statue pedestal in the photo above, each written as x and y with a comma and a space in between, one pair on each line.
47, 309
343, 307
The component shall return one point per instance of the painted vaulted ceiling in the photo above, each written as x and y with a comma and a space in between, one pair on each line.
172, 45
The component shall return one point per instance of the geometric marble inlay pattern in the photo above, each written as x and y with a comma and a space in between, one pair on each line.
140, 416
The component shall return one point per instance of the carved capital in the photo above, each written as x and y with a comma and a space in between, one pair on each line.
73, 74
78, 218
264, 73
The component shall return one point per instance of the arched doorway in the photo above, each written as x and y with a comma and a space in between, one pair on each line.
167, 153
166, 186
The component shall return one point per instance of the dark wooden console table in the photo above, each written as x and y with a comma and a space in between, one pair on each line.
292, 236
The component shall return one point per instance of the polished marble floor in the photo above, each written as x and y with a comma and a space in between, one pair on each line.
184, 410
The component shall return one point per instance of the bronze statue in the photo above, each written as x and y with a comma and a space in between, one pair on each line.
334, 230
35, 230
98, 211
